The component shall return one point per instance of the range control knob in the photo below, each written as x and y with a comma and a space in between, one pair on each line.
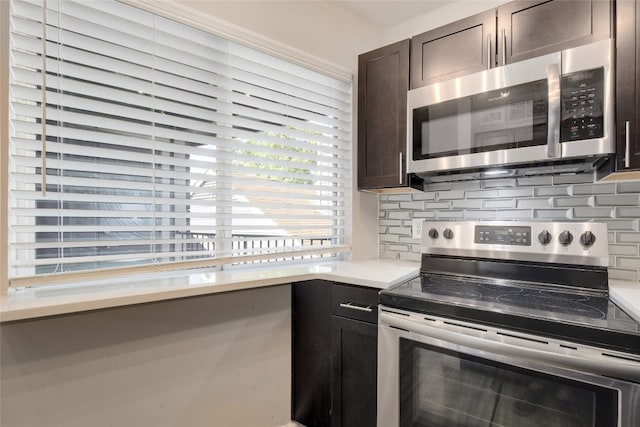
433, 233
565, 238
587, 238
447, 233
544, 237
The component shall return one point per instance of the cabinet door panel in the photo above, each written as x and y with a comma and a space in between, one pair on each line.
383, 81
355, 374
463, 47
533, 27
628, 84
311, 370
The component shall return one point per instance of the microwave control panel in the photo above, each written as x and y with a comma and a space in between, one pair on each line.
582, 96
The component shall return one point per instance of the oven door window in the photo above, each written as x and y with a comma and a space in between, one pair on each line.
512, 117
444, 388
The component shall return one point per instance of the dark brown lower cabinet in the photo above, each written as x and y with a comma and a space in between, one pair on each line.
311, 353
335, 354
355, 366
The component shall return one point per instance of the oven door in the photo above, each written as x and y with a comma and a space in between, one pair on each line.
439, 372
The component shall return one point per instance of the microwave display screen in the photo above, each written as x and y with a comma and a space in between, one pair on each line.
512, 117
582, 99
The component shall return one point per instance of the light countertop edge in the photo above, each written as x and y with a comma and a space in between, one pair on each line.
626, 295
57, 300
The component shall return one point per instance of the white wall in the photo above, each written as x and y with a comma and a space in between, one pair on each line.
316, 27
221, 360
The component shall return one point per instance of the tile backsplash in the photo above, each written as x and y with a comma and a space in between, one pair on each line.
542, 198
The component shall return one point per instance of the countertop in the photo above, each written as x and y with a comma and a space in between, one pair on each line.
377, 273
55, 300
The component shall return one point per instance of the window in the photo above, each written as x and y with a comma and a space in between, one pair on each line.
138, 140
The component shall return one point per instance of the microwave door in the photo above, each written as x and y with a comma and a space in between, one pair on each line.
495, 117
483, 126
514, 117
445, 129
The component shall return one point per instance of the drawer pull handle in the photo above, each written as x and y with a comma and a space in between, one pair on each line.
368, 309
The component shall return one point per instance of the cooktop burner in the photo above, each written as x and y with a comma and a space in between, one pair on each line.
450, 288
586, 308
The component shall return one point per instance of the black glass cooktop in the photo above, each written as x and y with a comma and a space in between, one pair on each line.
587, 317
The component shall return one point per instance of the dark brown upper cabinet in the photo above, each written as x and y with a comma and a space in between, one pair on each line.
460, 48
627, 85
513, 32
532, 28
383, 82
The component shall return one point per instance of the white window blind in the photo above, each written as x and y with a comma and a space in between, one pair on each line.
137, 140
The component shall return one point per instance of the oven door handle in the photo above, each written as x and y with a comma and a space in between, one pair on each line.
609, 366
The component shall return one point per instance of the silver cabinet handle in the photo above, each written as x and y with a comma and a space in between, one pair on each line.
368, 309
504, 46
627, 160
596, 365
488, 51
553, 130
400, 168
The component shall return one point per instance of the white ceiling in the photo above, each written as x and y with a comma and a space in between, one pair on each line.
387, 13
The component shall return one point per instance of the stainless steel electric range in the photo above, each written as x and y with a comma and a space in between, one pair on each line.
508, 324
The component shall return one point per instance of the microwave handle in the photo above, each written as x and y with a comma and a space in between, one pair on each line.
553, 122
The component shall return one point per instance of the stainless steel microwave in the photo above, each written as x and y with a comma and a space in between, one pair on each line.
552, 109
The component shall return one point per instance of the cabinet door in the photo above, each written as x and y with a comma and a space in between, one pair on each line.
628, 84
533, 27
311, 353
463, 47
355, 373
383, 81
